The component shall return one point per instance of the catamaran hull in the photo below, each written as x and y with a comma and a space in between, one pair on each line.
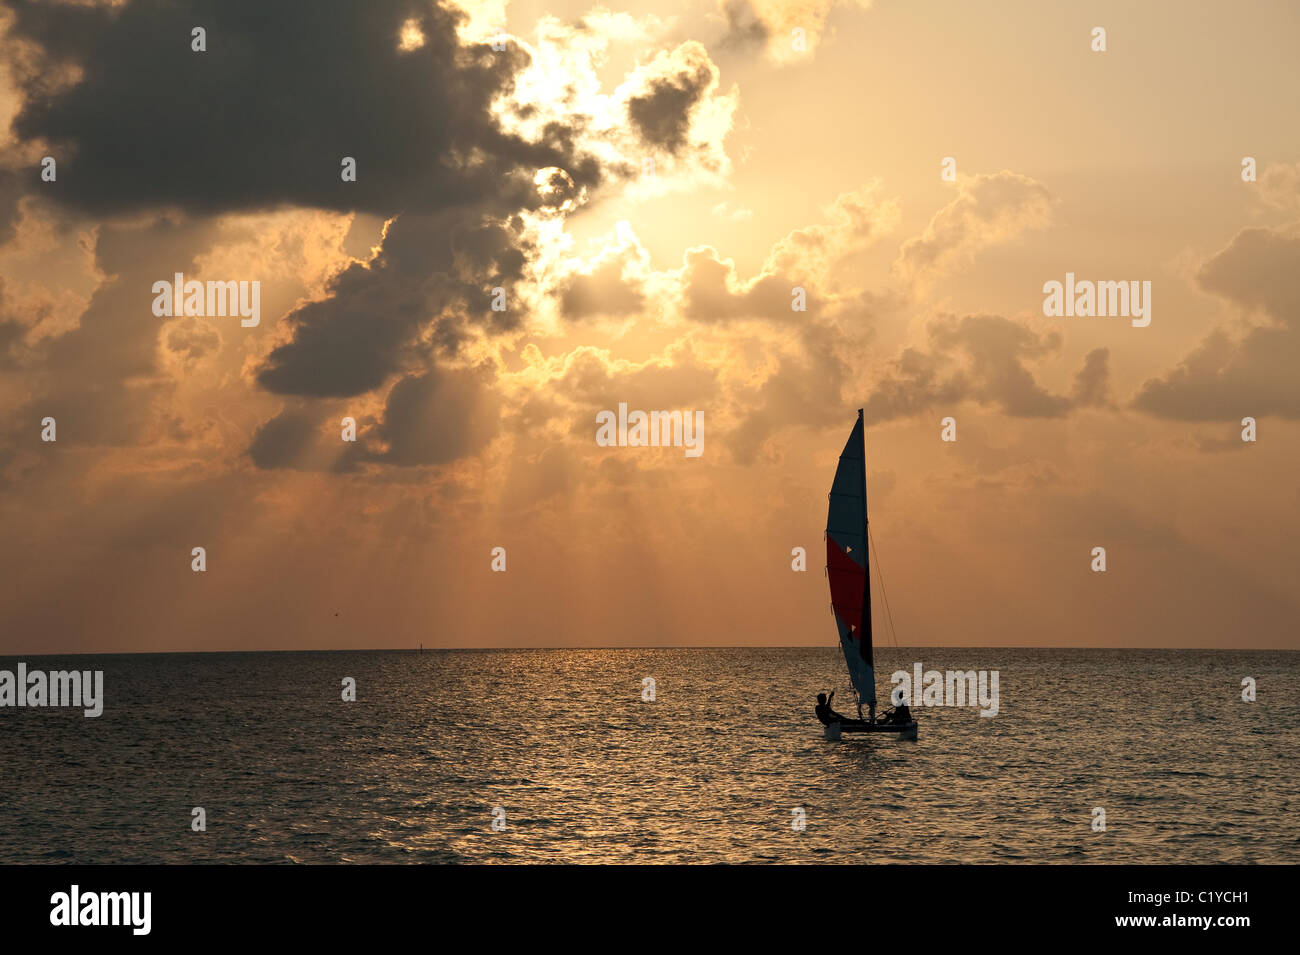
903, 731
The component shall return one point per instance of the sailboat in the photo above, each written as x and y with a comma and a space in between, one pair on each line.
850, 582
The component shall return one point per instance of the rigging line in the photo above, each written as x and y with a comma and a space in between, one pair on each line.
893, 631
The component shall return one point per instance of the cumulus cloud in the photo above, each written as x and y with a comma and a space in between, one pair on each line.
138, 130
434, 273
713, 292
437, 417
851, 222
102, 380
612, 284
772, 24
1253, 372
291, 439
191, 340
803, 391
1279, 185
986, 359
463, 151
674, 86
1092, 381
593, 380
423, 122
989, 208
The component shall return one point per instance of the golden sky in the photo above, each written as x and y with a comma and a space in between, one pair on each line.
777, 160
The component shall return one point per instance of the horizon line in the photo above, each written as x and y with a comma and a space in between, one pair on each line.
443, 649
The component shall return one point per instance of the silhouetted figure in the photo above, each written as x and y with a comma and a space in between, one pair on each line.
824, 711
900, 716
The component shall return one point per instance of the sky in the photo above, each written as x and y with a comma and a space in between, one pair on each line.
558, 208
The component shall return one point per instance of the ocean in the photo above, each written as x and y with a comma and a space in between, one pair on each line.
728, 764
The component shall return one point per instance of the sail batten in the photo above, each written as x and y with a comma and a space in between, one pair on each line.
846, 563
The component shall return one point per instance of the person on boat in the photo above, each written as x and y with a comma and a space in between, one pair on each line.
824, 711
898, 716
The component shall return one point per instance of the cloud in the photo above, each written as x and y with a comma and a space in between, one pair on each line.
739, 214
191, 340
592, 381
851, 222
988, 208
713, 292
434, 273
1092, 381
677, 116
430, 154
288, 440
803, 391
429, 419
13, 331
152, 124
772, 23
612, 284
1253, 373
437, 418
744, 28
981, 358
556, 471
675, 83
1279, 185
102, 380
669, 110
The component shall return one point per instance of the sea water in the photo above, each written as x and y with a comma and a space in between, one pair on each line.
560, 756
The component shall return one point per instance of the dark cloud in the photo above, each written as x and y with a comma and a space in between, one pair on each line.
661, 115
428, 419
261, 120
12, 333
438, 417
285, 440
266, 114
744, 28
1228, 377
370, 324
12, 188
11, 336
